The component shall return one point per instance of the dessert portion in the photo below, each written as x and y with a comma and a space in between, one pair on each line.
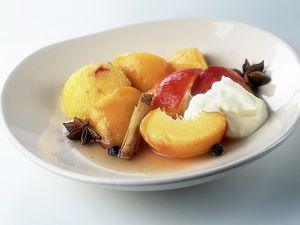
111, 114
87, 85
187, 58
180, 106
174, 91
244, 112
213, 74
143, 69
132, 136
182, 138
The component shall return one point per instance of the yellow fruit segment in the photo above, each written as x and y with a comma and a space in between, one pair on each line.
182, 138
143, 69
187, 58
89, 84
110, 116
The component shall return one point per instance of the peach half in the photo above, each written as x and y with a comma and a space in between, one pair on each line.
143, 69
89, 84
187, 58
110, 116
181, 138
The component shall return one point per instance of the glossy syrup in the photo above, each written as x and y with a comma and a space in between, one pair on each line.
144, 162
53, 144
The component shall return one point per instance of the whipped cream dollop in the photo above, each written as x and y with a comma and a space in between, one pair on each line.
244, 111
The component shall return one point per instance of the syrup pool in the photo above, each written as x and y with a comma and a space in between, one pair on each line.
54, 146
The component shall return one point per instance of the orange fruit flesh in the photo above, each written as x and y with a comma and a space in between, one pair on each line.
143, 69
89, 84
182, 138
187, 58
110, 116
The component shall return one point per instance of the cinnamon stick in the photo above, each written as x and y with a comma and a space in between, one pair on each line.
132, 137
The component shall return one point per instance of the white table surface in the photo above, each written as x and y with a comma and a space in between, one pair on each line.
265, 192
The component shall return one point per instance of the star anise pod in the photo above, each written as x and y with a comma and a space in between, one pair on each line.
254, 74
80, 130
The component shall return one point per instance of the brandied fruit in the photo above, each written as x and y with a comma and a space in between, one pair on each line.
89, 84
143, 69
174, 91
214, 73
110, 116
182, 138
187, 58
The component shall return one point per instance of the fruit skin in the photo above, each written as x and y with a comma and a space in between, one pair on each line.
89, 84
214, 73
143, 69
187, 58
182, 138
174, 91
110, 116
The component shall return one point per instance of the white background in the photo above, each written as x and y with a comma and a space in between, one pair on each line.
265, 192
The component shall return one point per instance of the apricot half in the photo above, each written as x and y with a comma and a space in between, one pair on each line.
187, 58
87, 85
143, 69
110, 116
182, 138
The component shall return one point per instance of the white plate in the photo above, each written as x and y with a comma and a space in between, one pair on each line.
32, 116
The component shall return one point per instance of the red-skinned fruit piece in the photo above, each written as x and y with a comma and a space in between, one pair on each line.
173, 93
214, 73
